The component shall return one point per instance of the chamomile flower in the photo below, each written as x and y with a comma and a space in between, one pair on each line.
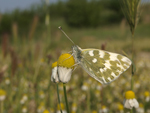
99, 86
46, 111
7, 81
62, 108
85, 86
51, 110
42, 95
24, 99
103, 109
54, 76
94, 111
130, 100
74, 108
65, 66
120, 108
41, 107
97, 93
24, 109
2, 94
147, 96
140, 109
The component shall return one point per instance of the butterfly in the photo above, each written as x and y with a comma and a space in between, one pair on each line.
102, 65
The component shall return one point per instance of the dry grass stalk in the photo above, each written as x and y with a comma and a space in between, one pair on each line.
15, 30
5, 44
2, 71
14, 61
131, 9
33, 26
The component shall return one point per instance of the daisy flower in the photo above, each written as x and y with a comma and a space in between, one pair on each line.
130, 100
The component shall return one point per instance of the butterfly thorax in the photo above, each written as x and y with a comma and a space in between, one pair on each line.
76, 50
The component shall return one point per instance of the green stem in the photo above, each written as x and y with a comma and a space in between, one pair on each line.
132, 79
64, 86
58, 98
88, 101
1, 106
131, 110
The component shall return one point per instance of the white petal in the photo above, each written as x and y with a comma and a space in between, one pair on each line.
127, 104
64, 74
84, 88
54, 76
2, 97
131, 102
147, 99
136, 104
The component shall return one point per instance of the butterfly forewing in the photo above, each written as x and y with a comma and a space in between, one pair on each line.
104, 66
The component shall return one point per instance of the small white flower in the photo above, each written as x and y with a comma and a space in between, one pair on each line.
85, 86
7, 81
24, 110
99, 86
62, 108
65, 67
147, 96
2, 95
41, 108
74, 107
63, 111
140, 110
24, 99
42, 95
130, 100
103, 110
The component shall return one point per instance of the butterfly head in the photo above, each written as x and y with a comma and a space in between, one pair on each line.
76, 52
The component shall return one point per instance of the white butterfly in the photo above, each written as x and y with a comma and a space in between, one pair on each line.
103, 66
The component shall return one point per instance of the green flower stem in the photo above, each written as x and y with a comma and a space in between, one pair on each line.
58, 98
132, 79
88, 101
1, 106
64, 86
131, 110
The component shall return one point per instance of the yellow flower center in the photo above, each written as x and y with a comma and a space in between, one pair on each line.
45, 111
74, 105
42, 60
62, 106
66, 60
103, 107
2, 92
120, 106
54, 64
41, 92
129, 95
141, 105
94, 111
146, 93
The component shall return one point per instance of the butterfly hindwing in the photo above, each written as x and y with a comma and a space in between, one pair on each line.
102, 65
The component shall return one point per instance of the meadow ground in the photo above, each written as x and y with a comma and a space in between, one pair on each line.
26, 69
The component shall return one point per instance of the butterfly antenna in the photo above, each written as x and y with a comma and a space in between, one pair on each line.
65, 34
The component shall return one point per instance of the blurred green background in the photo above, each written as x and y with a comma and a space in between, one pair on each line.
31, 41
